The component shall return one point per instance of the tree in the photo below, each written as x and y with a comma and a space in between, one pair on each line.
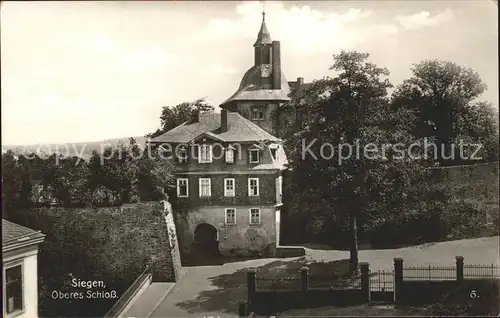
338, 114
172, 117
11, 182
128, 173
444, 95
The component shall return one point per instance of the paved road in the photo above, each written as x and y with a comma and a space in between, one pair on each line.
216, 290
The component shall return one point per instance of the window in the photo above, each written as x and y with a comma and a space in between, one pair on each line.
254, 156
274, 151
182, 188
279, 188
14, 289
230, 216
229, 187
253, 187
205, 187
182, 155
257, 114
205, 155
229, 155
254, 216
273, 154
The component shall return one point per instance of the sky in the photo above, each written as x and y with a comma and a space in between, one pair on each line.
87, 71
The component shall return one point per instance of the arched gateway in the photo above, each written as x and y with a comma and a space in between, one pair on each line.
206, 242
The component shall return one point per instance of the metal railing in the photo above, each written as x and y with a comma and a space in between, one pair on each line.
429, 272
382, 281
130, 293
475, 271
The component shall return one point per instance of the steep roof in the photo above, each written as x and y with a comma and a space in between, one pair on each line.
14, 234
240, 129
295, 87
251, 88
264, 37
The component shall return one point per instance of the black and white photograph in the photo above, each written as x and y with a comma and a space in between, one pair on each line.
250, 158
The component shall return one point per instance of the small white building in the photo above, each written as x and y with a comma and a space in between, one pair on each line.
20, 270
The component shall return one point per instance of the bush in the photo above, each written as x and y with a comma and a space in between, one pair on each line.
109, 244
459, 220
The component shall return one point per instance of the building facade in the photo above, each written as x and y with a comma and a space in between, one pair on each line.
20, 270
229, 166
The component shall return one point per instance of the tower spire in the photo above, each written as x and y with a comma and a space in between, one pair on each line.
264, 37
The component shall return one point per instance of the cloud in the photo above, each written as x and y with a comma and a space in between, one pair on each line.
423, 19
69, 79
318, 31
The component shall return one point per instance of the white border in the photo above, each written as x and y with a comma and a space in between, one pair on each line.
209, 187
209, 160
249, 188
225, 216
178, 188
250, 156
225, 187
250, 216
4, 289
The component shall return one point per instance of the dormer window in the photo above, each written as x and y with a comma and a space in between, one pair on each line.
205, 153
182, 155
257, 114
273, 154
254, 155
274, 151
229, 154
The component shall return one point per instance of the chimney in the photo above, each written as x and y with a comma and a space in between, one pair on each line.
276, 64
300, 81
224, 126
195, 116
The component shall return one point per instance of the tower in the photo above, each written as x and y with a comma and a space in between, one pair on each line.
264, 87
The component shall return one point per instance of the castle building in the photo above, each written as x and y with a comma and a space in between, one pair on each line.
264, 88
229, 166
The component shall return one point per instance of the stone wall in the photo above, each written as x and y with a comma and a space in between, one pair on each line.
240, 239
117, 240
165, 248
479, 181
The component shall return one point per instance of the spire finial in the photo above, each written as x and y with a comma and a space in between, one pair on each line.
263, 37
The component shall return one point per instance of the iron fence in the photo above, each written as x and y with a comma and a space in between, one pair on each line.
382, 281
474, 271
289, 283
430, 272
334, 282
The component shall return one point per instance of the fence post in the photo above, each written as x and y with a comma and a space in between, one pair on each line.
460, 268
304, 279
251, 281
398, 278
242, 309
365, 280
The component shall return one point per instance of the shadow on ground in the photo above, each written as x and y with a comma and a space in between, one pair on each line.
191, 260
231, 288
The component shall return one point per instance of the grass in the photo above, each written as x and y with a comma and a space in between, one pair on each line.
355, 311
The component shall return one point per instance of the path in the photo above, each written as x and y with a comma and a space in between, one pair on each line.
216, 290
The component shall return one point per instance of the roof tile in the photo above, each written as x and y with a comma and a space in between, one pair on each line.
12, 231
240, 130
